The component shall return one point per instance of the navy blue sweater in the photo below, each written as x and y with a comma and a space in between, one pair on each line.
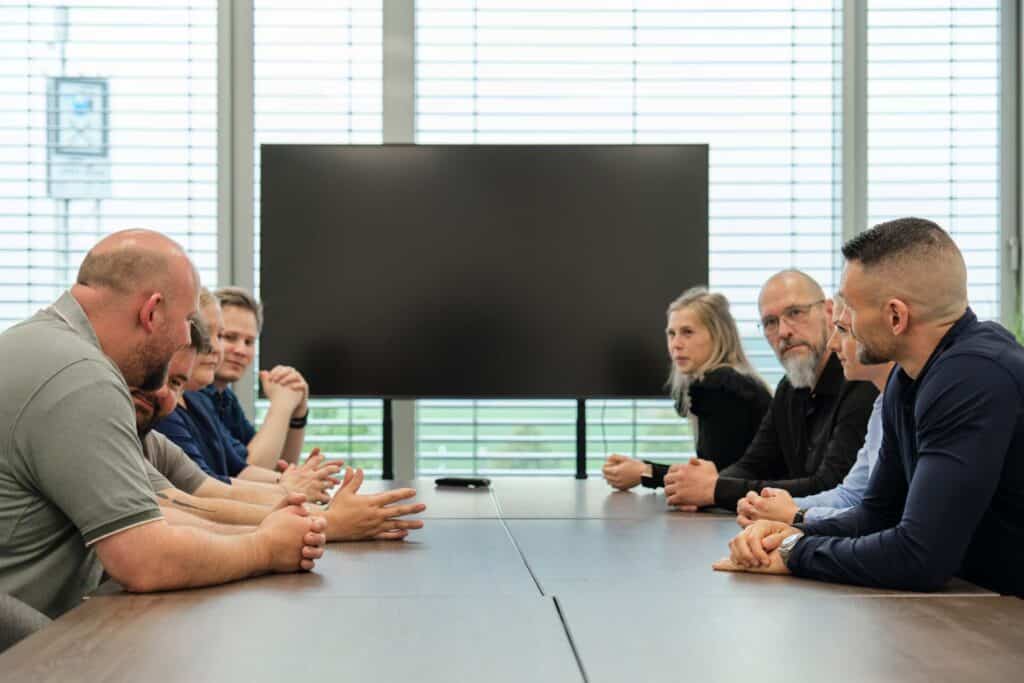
947, 494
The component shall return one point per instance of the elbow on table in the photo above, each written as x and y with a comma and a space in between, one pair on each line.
139, 582
928, 581
926, 575
133, 559
135, 576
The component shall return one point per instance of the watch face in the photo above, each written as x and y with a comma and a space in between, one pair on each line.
789, 541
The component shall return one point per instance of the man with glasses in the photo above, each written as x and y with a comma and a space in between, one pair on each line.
810, 436
778, 504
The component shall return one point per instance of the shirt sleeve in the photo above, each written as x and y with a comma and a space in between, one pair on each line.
762, 457
76, 440
658, 472
965, 419
174, 428
157, 481
172, 462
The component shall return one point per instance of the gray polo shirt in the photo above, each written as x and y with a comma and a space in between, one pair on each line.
71, 467
169, 466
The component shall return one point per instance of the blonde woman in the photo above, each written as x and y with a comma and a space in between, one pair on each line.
712, 383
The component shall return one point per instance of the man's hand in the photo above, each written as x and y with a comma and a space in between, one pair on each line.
623, 472
753, 547
289, 377
278, 393
312, 478
775, 565
773, 504
354, 517
691, 485
292, 539
290, 499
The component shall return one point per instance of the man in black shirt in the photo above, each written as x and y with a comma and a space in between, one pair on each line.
947, 494
809, 438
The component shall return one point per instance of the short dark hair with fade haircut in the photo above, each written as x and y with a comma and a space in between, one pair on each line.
199, 336
900, 238
242, 298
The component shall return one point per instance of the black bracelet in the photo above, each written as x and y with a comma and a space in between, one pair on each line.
298, 422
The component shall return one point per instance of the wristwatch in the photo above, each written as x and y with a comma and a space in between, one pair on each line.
788, 543
798, 518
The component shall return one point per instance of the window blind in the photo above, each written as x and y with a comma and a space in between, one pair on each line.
933, 127
758, 81
108, 122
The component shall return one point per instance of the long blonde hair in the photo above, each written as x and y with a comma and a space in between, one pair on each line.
712, 309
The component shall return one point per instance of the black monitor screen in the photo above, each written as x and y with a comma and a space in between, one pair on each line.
478, 270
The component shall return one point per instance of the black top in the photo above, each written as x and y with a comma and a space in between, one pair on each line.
807, 441
729, 407
947, 494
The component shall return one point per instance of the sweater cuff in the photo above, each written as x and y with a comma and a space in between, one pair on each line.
728, 492
657, 478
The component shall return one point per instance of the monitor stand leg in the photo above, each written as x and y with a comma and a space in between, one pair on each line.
581, 438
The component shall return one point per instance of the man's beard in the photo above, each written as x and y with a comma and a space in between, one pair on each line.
145, 428
144, 425
802, 368
869, 355
152, 365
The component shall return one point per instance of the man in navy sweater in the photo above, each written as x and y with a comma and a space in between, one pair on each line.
947, 495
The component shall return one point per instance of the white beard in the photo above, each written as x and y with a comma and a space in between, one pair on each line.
802, 369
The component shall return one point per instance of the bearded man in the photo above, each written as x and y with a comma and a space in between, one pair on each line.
810, 435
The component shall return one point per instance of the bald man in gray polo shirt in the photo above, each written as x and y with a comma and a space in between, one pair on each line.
74, 495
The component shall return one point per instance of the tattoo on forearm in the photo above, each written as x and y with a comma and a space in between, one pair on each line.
181, 503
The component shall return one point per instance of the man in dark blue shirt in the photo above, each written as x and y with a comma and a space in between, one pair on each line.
197, 431
281, 435
947, 494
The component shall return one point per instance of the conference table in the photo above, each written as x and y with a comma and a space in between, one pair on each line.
533, 579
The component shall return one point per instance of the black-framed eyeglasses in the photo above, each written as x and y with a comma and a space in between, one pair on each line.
793, 315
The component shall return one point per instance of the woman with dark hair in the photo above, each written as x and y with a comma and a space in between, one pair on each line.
712, 383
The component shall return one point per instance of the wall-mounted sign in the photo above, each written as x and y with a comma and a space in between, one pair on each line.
78, 134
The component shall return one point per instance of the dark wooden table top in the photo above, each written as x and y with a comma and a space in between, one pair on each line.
670, 553
778, 637
219, 636
443, 502
470, 597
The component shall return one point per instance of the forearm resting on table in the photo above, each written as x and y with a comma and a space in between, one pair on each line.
258, 493
217, 510
160, 556
259, 474
179, 517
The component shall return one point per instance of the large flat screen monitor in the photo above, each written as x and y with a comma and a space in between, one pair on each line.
455, 271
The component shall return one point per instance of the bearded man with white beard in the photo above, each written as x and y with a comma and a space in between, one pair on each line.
817, 421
